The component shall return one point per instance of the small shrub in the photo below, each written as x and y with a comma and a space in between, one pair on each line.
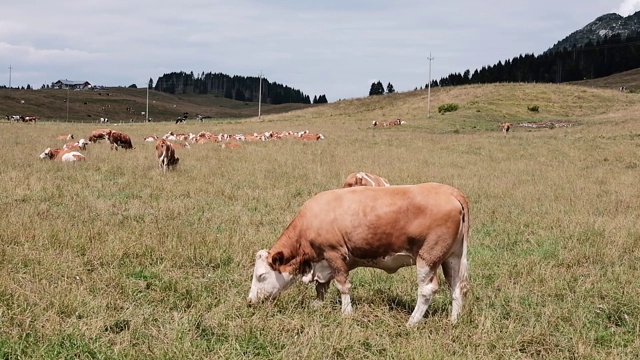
534, 108
445, 108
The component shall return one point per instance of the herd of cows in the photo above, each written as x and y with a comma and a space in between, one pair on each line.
165, 146
366, 223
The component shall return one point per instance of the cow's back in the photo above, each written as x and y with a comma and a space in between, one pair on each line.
371, 222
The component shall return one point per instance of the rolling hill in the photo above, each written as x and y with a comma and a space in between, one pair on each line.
481, 106
88, 106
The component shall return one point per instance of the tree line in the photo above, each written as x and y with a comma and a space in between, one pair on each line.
612, 54
240, 88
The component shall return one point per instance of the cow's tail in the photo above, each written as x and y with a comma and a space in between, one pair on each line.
464, 264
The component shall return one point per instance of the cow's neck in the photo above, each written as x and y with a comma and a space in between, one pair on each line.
295, 249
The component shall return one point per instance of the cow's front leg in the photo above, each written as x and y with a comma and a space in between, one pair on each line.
343, 284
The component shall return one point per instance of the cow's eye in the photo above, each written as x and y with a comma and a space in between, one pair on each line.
262, 277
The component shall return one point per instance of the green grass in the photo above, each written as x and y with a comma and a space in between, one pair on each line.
112, 259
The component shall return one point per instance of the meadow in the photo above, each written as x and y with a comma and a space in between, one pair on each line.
111, 259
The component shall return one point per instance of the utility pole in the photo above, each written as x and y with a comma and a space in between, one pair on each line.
260, 97
68, 99
10, 68
429, 91
147, 112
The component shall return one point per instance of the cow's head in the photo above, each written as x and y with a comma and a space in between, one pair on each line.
268, 281
46, 154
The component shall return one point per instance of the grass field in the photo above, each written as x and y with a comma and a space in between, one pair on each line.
112, 259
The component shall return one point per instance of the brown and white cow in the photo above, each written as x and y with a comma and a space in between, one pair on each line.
166, 155
364, 179
505, 127
151, 138
311, 137
231, 145
99, 134
80, 145
65, 137
380, 227
181, 145
118, 139
61, 155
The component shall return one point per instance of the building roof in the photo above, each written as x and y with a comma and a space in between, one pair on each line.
71, 82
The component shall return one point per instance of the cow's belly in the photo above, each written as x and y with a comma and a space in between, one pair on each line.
390, 263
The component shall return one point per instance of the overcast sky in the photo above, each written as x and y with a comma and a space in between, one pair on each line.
327, 47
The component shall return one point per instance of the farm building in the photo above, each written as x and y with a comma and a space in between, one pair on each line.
74, 85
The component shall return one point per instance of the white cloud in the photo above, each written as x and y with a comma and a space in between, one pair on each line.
629, 7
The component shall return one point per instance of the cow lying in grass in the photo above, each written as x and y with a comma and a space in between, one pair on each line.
61, 155
387, 228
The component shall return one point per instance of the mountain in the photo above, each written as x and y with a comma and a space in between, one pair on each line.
602, 27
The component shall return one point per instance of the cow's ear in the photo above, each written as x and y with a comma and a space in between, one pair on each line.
277, 260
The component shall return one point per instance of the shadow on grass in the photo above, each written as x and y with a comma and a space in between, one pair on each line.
435, 309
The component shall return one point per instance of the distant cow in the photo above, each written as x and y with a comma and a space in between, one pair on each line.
151, 138
166, 155
61, 155
99, 134
364, 179
311, 137
31, 119
505, 127
386, 228
65, 137
231, 145
118, 139
80, 145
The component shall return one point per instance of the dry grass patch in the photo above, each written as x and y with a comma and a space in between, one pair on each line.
111, 259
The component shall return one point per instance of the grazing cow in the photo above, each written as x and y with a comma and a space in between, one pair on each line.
364, 179
99, 134
118, 139
380, 227
505, 127
65, 137
166, 155
15, 118
80, 145
32, 119
104, 120
61, 155
151, 138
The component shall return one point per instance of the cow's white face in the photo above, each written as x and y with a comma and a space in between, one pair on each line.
267, 283
45, 153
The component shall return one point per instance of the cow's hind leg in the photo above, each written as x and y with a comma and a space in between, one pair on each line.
427, 286
455, 272
321, 291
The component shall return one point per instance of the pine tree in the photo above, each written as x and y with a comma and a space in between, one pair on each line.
390, 89
315, 99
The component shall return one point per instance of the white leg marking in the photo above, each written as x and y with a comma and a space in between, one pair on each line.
344, 296
427, 286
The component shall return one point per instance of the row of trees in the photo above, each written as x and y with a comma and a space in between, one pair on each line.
378, 89
608, 56
241, 88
